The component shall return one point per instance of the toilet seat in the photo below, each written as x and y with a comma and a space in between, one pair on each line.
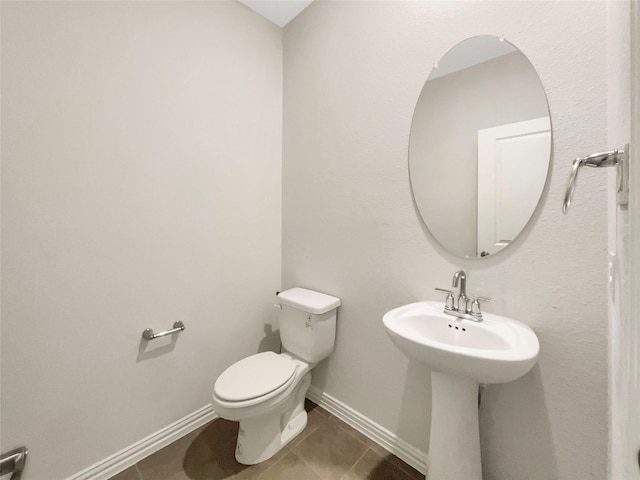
257, 377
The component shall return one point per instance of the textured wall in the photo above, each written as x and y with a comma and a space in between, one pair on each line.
353, 72
141, 150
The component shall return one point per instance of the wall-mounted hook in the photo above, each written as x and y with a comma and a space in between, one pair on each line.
614, 158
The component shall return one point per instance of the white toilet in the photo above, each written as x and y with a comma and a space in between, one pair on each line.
265, 392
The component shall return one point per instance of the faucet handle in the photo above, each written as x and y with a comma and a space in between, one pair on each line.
444, 290
448, 303
484, 299
475, 306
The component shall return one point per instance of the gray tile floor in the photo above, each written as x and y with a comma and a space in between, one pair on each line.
327, 449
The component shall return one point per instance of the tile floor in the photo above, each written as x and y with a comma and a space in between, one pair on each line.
327, 449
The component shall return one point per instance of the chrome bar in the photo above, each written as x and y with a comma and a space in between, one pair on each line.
571, 187
149, 335
13, 462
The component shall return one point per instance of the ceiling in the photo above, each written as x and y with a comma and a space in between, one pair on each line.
279, 12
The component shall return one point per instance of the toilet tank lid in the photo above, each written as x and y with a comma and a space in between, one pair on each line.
308, 300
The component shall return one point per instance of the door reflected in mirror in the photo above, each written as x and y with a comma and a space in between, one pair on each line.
480, 147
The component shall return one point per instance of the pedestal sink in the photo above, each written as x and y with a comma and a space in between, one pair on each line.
461, 354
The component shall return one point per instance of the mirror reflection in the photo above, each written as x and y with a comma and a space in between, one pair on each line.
480, 146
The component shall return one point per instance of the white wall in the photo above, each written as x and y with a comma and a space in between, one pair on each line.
141, 184
353, 72
444, 140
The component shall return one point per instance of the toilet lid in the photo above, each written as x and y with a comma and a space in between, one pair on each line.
254, 376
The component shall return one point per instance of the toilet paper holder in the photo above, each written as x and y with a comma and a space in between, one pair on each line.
149, 335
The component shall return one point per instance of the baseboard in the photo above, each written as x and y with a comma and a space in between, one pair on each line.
132, 454
119, 461
383, 437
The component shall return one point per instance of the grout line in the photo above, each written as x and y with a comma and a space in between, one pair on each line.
302, 436
325, 419
302, 460
311, 467
378, 434
356, 462
349, 430
326, 412
138, 472
293, 444
322, 411
330, 418
274, 464
405, 467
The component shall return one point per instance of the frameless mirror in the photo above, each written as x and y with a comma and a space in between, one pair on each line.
480, 146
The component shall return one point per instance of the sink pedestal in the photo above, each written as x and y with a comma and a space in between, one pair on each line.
496, 350
454, 445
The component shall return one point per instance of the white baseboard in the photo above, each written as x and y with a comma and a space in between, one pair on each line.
129, 456
132, 454
383, 437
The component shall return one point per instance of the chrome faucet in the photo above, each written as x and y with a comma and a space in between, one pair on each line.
462, 307
462, 304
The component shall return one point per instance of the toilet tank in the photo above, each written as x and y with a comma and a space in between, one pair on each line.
308, 323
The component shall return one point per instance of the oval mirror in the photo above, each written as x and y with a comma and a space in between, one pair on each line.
480, 146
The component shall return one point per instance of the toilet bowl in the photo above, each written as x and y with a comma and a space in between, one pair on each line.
266, 395
265, 392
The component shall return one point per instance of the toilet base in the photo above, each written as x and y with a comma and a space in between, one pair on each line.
260, 438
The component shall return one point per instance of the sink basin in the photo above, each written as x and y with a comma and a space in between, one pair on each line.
495, 350
461, 354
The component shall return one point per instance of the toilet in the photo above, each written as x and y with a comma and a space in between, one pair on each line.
265, 392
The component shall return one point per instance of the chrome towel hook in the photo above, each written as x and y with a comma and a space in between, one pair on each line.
614, 158
13, 463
